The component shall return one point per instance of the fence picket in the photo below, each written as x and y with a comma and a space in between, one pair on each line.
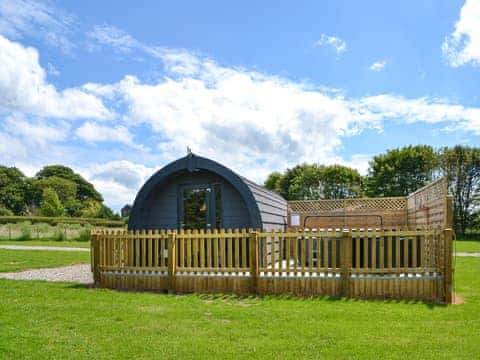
222, 248
229, 248
201, 249
334, 250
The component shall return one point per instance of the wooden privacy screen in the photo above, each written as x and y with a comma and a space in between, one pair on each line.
386, 263
429, 206
351, 212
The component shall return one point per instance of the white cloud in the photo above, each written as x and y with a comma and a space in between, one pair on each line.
246, 120
257, 123
463, 45
24, 88
174, 60
338, 44
357, 161
11, 149
93, 132
52, 70
112, 36
118, 181
35, 133
37, 18
252, 122
386, 106
378, 65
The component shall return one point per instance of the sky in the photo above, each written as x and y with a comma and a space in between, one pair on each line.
118, 89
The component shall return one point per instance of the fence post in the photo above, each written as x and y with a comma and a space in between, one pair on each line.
448, 212
254, 260
346, 262
172, 240
448, 236
95, 256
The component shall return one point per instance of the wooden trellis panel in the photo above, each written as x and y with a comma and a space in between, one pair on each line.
430, 206
390, 211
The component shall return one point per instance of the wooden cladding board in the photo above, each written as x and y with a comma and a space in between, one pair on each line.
384, 263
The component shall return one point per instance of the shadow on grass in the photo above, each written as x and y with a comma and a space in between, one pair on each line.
80, 286
327, 298
223, 297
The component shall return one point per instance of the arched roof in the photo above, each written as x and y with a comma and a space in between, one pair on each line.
193, 163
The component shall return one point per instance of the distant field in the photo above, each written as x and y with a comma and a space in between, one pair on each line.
46, 242
17, 260
467, 246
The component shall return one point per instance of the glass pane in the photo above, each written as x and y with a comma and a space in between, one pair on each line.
195, 209
218, 206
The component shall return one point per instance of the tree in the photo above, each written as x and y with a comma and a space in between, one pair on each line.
401, 171
106, 213
65, 189
85, 190
340, 182
74, 208
10, 175
461, 166
5, 212
312, 181
50, 204
273, 181
13, 190
300, 182
91, 208
305, 182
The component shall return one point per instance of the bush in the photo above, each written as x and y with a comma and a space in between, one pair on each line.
59, 236
61, 220
84, 235
26, 230
50, 204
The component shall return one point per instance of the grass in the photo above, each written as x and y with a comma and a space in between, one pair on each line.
467, 246
17, 260
82, 244
59, 320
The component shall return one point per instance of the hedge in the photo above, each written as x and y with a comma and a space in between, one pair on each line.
61, 220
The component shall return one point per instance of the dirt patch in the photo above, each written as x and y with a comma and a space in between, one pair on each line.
457, 300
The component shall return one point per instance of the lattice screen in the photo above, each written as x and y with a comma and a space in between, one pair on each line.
425, 207
348, 205
351, 212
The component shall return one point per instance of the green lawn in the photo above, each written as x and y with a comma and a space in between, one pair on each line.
40, 320
467, 246
16, 260
82, 244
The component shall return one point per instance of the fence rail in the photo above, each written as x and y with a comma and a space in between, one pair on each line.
378, 263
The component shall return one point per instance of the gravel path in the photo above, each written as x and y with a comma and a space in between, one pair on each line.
48, 248
74, 273
468, 254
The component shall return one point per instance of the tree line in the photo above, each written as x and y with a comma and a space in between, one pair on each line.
54, 191
397, 172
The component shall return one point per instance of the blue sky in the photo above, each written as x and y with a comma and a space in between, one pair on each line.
118, 89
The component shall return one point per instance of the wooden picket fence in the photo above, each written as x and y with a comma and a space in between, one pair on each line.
378, 263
